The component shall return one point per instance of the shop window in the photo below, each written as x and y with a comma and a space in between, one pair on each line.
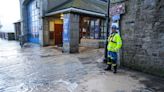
92, 28
103, 30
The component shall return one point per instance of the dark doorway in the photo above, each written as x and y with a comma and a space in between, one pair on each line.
58, 34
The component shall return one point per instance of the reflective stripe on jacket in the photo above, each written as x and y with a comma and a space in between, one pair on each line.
114, 42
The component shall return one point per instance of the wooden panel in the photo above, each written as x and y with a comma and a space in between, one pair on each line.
58, 34
51, 26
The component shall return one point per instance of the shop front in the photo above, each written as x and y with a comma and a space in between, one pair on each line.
82, 24
74, 30
92, 31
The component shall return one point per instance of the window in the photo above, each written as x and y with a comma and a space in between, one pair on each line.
92, 28
103, 29
34, 20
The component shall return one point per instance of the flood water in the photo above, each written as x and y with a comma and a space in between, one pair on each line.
46, 69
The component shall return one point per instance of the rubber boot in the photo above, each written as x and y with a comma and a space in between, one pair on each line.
108, 68
105, 61
115, 69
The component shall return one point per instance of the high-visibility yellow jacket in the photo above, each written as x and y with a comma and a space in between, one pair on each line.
114, 42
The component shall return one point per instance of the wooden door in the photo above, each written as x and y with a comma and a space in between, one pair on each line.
58, 34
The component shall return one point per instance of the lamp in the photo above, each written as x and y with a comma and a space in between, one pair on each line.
61, 16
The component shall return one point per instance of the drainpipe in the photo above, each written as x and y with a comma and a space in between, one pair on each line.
107, 33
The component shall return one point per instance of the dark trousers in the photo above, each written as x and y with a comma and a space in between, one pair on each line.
112, 60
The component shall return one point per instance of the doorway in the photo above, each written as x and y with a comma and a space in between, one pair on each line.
58, 34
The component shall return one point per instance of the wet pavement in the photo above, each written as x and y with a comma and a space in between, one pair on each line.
45, 69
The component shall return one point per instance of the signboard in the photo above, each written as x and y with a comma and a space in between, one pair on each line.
116, 17
66, 29
116, 1
117, 9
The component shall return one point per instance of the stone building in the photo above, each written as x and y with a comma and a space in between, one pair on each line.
82, 22
67, 23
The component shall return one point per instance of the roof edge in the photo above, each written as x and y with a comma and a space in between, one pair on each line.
76, 10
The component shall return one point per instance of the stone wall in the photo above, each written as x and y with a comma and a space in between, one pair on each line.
93, 43
142, 30
71, 33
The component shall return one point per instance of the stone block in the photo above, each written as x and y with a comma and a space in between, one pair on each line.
90, 43
149, 4
66, 47
74, 18
161, 54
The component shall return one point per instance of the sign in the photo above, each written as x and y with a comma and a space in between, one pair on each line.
66, 29
117, 9
116, 1
116, 17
